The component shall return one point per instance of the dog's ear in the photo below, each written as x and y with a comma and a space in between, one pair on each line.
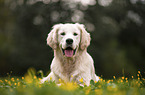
85, 37
52, 39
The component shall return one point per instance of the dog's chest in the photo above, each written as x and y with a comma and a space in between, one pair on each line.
68, 69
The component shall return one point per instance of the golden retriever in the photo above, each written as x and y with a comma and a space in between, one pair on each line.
71, 61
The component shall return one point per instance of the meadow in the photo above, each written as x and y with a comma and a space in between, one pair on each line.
29, 84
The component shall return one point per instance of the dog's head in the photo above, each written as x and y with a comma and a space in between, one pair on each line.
69, 38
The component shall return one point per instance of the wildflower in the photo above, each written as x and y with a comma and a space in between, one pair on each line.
126, 81
28, 78
22, 77
35, 77
95, 81
15, 83
6, 80
114, 77
138, 75
17, 79
12, 79
60, 80
72, 76
111, 80
40, 79
139, 72
108, 81
70, 86
1, 81
9, 83
18, 83
101, 79
123, 78
132, 76
50, 78
81, 80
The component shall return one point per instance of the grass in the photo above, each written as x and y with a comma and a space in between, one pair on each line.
29, 85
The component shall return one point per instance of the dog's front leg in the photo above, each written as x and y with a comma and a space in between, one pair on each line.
81, 78
48, 78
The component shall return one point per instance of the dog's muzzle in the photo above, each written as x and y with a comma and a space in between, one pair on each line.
69, 52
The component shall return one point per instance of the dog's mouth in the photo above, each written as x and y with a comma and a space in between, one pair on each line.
68, 52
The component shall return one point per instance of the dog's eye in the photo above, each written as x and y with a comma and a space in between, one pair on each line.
62, 34
75, 34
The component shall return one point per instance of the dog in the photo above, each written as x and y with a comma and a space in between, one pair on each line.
71, 61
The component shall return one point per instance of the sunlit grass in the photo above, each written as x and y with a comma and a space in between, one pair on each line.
30, 85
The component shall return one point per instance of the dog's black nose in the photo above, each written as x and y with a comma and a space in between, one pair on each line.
69, 41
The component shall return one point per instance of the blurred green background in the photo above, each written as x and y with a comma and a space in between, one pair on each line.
117, 29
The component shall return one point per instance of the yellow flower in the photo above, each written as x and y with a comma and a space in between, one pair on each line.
50, 78
81, 80
28, 78
114, 77
60, 80
99, 77
6, 80
138, 75
15, 83
9, 83
72, 76
139, 72
70, 86
126, 78
12, 79
18, 83
132, 76
103, 80
123, 78
35, 77
17, 79
1, 81
22, 77
108, 81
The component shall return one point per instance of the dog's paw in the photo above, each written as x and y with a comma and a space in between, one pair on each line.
42, 80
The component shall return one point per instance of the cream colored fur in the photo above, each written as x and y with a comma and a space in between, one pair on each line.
79, 66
